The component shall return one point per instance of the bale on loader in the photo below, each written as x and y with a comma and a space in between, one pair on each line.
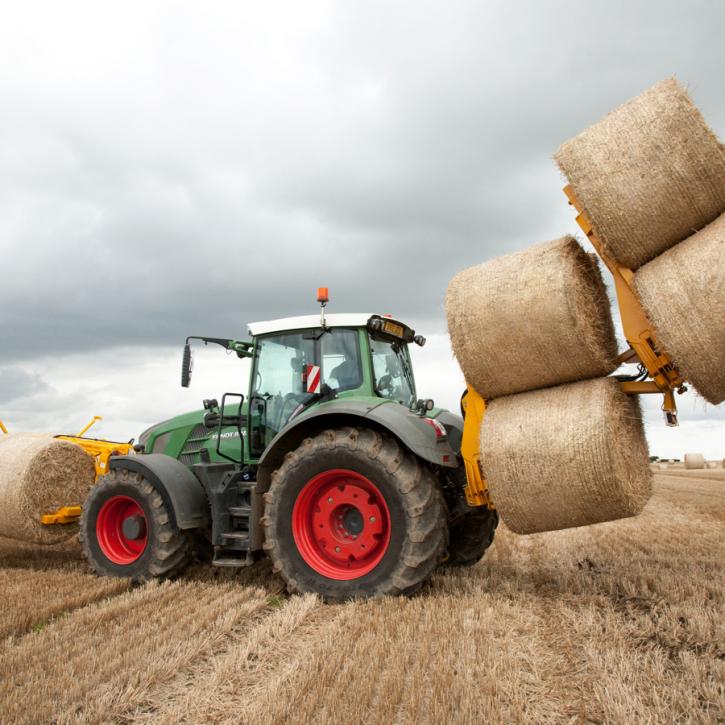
683, 293
38, 475
694, 461
649, 174
567, 456
531, 319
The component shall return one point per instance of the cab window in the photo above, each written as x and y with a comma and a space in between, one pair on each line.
341, 364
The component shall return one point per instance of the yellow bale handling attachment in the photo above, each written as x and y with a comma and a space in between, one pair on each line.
644, 349
100, 450
664, 377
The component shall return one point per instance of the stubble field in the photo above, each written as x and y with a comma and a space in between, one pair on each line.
620, 622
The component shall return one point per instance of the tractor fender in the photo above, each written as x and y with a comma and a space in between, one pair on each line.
180, 489
388, 417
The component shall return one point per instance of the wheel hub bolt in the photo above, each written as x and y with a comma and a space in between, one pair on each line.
337, 549
329, 500
372, 519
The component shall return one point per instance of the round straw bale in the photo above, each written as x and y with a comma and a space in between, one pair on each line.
566, 456
683, 293
663, 466
694, 460
531, 319
649, 174
38, 475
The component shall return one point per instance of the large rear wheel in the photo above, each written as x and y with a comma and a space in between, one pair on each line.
126, 530
350, 514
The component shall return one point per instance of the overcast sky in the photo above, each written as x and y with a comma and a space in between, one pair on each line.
185, 168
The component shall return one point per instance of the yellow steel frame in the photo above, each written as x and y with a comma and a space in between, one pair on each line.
64, 515
101, 450
3, 428
666, 378
474, 408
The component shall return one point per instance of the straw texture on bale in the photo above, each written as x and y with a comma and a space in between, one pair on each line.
566, 456
531, 319
694, 460
683, 293
38, 474
649, 174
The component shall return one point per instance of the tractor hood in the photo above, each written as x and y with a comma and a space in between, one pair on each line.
185, 435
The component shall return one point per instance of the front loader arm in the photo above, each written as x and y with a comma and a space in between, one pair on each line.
473, 408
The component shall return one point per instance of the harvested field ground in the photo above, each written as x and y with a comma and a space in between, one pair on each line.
620, 622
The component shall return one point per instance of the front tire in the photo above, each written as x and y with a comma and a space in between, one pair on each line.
127, 531
350, 514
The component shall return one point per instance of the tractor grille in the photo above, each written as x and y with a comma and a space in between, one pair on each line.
194, 443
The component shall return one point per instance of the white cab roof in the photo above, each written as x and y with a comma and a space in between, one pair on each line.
304, 322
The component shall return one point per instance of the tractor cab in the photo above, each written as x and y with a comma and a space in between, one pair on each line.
300, 363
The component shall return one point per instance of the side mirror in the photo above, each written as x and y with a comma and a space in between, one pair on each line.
186, 366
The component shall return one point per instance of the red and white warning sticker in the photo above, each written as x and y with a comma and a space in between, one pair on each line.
313, 379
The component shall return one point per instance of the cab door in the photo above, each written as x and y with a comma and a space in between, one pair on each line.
279, 384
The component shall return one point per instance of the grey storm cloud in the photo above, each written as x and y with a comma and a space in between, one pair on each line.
16, 382
172, 171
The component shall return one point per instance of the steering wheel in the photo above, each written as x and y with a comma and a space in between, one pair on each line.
385, 383
295, 399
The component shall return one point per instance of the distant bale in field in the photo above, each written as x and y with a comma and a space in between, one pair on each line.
683, 293
38, 475
694, 460
531, 319
649, 174
663, 466
566, 456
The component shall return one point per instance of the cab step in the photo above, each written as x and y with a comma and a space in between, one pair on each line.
231, 562
236, 536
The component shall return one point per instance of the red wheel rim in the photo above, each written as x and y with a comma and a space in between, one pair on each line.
341, 524
119, 544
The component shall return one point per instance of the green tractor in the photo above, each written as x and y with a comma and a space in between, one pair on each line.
331, 466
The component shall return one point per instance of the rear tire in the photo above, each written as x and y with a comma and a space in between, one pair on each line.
470, 536
127, 531
350, 514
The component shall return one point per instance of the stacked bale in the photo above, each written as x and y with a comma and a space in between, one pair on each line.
648, 174
531, 319
694, 461
566, 456
683, 293
38, 475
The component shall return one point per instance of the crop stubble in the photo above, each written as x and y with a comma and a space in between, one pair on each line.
617, 622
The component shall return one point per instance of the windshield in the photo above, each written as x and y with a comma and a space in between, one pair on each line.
341, 364
392, 371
